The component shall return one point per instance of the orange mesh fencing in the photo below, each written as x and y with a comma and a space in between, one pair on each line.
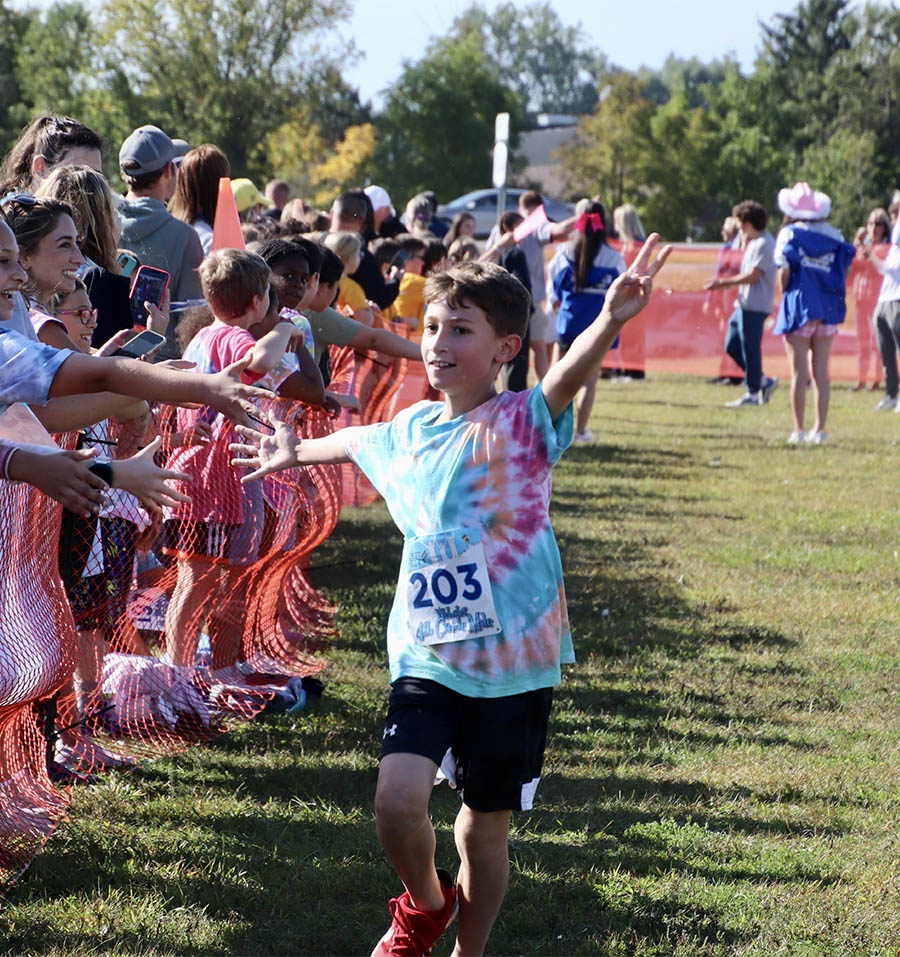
106, 660
375, 380
38, 647
683, 328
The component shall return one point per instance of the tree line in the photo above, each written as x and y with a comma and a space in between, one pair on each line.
263, 80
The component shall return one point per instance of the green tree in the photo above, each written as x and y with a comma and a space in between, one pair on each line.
868, 89
437, 127
694, 76
680, 170
13, 27
795, 72
217, 70
608, 156
548, 64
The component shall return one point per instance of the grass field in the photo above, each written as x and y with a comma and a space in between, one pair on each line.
723, 774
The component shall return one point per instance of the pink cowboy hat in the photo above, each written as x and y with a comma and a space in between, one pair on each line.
801, 202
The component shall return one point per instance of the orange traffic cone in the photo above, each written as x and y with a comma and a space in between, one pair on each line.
227, 227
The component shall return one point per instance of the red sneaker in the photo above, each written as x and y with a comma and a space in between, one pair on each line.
414, 932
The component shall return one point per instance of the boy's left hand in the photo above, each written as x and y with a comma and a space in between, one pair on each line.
630, 292
265, 453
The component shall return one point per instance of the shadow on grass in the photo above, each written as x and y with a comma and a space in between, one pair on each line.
299, 869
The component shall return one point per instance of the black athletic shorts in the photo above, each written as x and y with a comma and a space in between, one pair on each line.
491, 749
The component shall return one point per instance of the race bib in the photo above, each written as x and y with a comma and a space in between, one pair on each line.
448, 590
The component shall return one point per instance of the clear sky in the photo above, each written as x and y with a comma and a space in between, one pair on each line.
631, 34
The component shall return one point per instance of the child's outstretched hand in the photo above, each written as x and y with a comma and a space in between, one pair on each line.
231, 396
141, 476
265, 453
630, 292
64, 476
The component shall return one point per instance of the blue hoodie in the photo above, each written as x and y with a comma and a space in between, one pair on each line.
817, 287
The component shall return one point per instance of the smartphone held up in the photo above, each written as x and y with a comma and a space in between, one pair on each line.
149, 285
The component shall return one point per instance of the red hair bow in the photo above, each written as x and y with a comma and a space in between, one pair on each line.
595, 219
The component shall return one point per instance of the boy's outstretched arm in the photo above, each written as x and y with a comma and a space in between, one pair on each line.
283, 449
626, 297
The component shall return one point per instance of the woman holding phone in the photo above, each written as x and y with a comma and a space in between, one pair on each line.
88, 195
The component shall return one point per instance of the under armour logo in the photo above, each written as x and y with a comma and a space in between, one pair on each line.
392, 730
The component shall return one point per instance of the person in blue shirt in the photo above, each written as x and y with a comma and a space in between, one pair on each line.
812, 259
579, 276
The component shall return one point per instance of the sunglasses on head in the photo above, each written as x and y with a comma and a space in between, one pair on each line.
20, 199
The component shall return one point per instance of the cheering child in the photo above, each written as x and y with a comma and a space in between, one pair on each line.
479, 627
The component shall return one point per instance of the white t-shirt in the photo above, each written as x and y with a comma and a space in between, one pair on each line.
890, 285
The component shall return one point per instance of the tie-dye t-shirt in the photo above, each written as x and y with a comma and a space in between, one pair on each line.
488, 470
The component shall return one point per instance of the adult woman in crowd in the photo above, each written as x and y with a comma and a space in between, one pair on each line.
462, 227
197, 191
49, 141
628, 225
814, 303
90, 199
876, 233
631, 354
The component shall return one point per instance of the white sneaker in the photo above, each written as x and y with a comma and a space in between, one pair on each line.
767, 389
583, 438
817, 438
886, 403
748, 398
796, 438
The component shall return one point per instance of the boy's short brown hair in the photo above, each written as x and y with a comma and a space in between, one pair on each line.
504, 300
749, 211
530, 200
231, 278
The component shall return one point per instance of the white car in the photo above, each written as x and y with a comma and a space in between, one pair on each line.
482, 204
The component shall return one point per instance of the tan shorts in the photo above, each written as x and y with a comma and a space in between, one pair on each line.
537, 328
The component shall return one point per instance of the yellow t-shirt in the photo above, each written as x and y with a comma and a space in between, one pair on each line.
410, 301
351, 294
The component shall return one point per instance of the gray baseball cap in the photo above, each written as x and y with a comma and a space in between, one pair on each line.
147, 150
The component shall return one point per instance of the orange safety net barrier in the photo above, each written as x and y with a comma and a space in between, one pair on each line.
38, 646
375, 380
683, 328
106, 659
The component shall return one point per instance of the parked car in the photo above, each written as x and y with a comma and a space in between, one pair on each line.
482, 204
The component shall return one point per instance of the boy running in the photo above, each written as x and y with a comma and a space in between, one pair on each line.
479, 626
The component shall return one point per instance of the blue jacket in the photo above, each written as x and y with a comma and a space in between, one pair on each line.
817, 287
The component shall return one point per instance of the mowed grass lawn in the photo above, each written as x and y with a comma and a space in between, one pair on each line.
723, 773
